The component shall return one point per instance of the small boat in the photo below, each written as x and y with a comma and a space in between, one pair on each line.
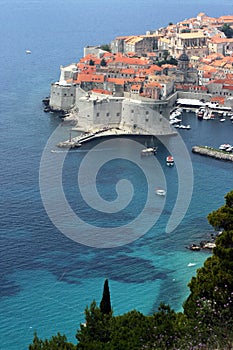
200, 113
191, 264
170, 161
184, 127
160, 192
194, 247
28, 52
224, 147
175, 121
222, 120
149, 151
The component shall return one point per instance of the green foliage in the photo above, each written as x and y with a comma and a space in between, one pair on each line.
222, 218
103, 63
91, 62
186, 30
106, 47
172, 61
96, 329
227, 30
210, 303
58, 342
105, 304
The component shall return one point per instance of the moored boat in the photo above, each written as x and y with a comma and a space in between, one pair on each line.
149, 151
170, 161
200, 113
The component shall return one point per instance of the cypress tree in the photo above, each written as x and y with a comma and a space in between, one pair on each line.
105, 304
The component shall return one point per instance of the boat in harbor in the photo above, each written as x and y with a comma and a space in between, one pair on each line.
182, 126
149, 151
160, 192
175, 121
226, 147
170, 161
200, 113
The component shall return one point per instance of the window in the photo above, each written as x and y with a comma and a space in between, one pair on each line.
107, 114
97, 114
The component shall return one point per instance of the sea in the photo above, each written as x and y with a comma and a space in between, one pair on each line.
47, 275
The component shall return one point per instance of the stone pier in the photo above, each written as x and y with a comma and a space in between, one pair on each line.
212, 152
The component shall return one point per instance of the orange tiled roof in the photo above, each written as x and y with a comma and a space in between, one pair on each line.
130, 61
223, 81
153, 84
217, 40
102, 91
168, 66
118, 81
128, 71
218, 99
227, 87
136, 87
82, 77
227, 18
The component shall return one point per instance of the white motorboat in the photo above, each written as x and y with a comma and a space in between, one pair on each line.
225, 147
149, 151
175, 121
184, 127
160, 192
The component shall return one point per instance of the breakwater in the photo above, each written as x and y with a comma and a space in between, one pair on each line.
212, 152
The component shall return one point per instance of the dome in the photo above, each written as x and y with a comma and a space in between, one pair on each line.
183, 57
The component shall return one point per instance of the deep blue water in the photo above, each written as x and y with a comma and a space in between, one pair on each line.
46, 279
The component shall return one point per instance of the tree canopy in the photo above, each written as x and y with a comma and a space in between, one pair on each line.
105, 304
227, 30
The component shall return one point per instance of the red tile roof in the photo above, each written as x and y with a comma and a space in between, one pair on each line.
118, 81
102, 91
90, 78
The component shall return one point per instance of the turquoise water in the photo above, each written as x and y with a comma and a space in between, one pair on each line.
47, 279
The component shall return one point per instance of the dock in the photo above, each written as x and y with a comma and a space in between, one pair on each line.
212, 152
